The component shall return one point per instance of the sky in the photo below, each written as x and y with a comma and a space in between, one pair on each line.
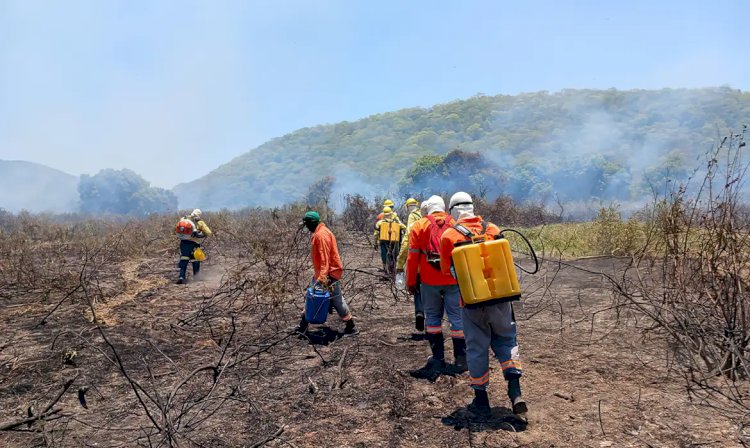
173, 89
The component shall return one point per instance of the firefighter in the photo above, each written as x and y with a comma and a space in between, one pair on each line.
392, 205
190, 243
440, 293
486, 326
388, 233
328, 270
412, 208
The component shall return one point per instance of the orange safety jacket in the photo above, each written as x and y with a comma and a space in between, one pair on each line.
419, 247
325, 254
451, 237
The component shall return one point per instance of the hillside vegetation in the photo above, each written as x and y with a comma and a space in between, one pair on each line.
572, 145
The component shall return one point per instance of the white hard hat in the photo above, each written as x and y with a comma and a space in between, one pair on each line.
196, 213
460, 198
433, 204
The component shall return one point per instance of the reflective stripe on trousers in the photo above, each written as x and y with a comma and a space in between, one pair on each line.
440, 300
485, 328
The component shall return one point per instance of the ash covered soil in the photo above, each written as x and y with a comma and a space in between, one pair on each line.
213, 363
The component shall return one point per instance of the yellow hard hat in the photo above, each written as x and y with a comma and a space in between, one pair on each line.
387, 210
411, 201
388, 203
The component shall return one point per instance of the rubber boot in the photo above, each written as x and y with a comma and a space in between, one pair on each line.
437, 345
514, 393
481, 403
302, 327
459, 355
350, 329
419, 322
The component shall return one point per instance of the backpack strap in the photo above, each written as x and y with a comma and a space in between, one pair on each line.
468, 233
463, 231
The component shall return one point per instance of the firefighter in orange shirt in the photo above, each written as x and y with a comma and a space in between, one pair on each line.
440, 293
328, 270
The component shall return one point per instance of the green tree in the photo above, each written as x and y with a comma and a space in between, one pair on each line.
122, 192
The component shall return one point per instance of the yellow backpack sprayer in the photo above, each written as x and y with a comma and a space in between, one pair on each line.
485, 270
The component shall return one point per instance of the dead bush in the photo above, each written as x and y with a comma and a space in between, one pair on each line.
695, 290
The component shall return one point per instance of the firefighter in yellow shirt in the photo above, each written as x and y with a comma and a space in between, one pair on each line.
412, 207
388, 233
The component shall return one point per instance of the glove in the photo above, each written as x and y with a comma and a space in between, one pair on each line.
198, 234
411, 289
323, 280
376, 246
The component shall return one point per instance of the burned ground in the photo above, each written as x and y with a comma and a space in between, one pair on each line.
214, 363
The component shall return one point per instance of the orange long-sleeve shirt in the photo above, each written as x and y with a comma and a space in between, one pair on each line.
452, 236
419, 247
325, 254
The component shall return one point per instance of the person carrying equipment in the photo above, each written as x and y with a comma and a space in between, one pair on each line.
489, 324
328, 270
440, 293
412, 207
191, 230
388, 233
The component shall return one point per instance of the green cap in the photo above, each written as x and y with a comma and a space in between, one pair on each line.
311, 216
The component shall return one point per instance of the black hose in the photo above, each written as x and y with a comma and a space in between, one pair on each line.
531, 251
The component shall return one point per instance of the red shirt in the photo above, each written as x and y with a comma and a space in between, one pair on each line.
416, 261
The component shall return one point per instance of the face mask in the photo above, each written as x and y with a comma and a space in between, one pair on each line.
462, 211
311, 225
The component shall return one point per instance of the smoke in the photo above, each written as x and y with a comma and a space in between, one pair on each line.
349, 181
608, 146
36, 188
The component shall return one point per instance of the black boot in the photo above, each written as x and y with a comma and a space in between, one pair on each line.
481, 403
459, 355
302, 327
436, 363
437, 345
419, 322
514, 393
350, 329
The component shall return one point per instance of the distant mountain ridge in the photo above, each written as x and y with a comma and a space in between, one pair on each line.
36, 188
539, 138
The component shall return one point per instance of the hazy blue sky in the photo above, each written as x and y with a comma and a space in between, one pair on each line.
172, 89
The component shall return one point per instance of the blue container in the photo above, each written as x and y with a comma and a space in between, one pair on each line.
316, 305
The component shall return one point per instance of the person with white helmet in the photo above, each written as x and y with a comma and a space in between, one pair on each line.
388, 231
488, 325
189, 243
412, 207
440, 293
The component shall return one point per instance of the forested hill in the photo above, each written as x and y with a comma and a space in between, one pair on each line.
572, 144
